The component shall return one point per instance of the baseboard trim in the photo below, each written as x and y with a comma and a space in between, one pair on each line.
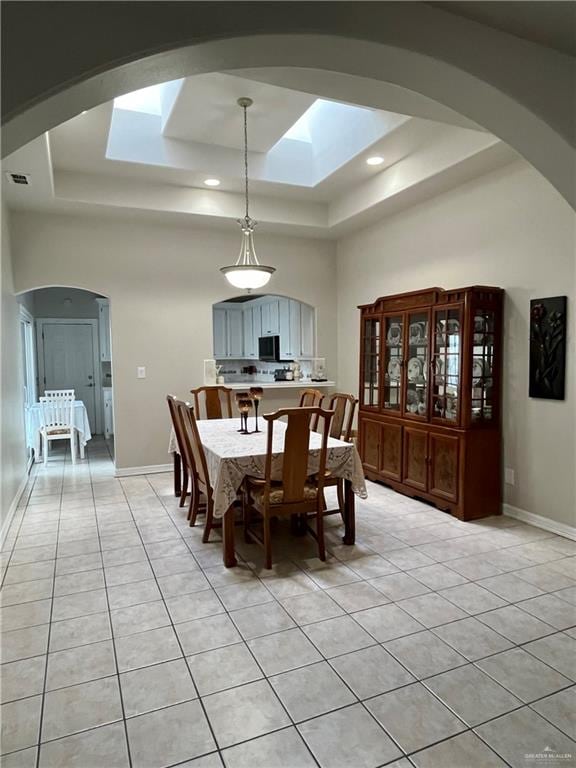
12, 510
152, 469
553, 526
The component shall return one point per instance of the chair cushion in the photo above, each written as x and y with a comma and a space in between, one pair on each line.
277, 494
58, 431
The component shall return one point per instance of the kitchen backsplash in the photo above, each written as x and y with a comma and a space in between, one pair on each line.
237, 370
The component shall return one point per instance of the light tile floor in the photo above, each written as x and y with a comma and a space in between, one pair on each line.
430, 643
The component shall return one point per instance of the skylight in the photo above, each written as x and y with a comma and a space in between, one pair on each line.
147, 100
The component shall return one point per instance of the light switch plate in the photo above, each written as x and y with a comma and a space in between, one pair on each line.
509, 476
141, 372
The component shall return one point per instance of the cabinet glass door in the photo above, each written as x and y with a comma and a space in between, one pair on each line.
416, 403
394, 340
483, 365
446, 364
371, 366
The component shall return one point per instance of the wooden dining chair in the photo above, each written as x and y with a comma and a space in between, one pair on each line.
341, 428
201, 488
310, 398
295, 493
217, 401
187, 474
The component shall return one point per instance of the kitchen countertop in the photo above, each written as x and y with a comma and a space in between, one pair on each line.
280, 384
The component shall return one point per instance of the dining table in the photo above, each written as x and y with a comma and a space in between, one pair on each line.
231, 456
35, 421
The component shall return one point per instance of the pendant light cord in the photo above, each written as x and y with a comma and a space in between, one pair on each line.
246, 156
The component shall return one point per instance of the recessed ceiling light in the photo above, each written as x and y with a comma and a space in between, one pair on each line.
84, 112
376, 160
212, 182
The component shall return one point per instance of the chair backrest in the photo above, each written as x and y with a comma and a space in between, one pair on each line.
57, 411
296, 449
57, 393
172, 400
310, 398
343, 406
214, 399
192, 444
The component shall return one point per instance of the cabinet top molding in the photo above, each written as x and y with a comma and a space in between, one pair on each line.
427, 297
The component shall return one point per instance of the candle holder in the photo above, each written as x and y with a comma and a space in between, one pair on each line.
244, 405
256, 393
239, 397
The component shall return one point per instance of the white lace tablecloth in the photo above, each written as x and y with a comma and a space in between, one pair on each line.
231, 456
34, 420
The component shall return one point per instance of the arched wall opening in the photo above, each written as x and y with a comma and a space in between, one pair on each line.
481, 96
66, 345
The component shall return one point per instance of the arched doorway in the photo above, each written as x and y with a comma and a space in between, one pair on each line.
66, 345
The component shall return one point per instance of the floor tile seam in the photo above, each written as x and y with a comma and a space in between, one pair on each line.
436, 695
45, 681
503, 685
20, 523
112, 641
543, 661
544, 717
183, 655
245, 643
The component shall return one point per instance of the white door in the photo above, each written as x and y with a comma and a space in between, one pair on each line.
69, 362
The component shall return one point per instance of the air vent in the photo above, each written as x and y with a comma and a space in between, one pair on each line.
18, 178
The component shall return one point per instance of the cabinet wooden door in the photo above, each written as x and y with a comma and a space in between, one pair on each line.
415, 458
370, 444
391, 451
443, 465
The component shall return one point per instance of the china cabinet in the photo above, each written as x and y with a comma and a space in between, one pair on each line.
430, 381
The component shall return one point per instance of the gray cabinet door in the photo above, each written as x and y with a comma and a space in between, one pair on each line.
271, 318
306, 331
220, 333
250, 340
235, 333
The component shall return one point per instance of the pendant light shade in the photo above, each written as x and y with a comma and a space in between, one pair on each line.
247, 273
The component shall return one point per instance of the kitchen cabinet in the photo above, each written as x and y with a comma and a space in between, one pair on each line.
270, 313
237, 328
228, 332
289, 329
108, 412
307, 331
430, 396
104, 329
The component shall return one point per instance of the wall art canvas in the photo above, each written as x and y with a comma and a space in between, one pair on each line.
548, 347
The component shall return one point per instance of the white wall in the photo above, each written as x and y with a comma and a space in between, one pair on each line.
162, 281
508, 229
12, 445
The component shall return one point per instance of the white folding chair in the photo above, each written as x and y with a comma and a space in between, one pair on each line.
58, 423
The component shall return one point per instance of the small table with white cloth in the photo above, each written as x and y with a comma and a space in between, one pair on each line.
34, 423
231, 456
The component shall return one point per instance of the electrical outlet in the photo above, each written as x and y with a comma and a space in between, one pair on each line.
141, 372
509, 476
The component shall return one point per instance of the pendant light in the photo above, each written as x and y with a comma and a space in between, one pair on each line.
247, 273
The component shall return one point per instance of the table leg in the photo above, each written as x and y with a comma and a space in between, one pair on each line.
228, 539
82, 446
177, 474
349, 514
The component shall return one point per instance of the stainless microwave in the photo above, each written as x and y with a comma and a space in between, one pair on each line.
269, 349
